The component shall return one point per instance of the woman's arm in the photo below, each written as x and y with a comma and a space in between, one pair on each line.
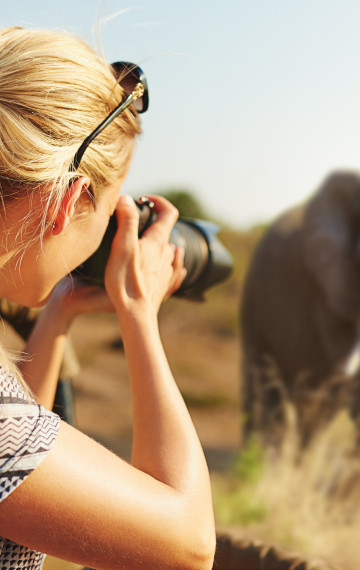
44, 353
45, 347
86, 505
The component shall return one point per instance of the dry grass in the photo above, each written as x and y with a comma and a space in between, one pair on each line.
307, 501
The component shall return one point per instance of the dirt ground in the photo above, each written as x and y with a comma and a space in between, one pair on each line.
206, 370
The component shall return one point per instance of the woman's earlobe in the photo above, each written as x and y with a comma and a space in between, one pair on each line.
55, 228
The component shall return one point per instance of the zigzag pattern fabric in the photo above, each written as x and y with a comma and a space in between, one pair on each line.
27, 432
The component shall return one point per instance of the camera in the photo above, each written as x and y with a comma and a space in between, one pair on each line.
206, 260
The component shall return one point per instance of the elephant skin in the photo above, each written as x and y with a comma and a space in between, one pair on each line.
300, 313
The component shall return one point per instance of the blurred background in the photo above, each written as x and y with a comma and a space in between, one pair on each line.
252, 105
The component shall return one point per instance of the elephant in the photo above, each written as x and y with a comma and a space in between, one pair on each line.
300, 315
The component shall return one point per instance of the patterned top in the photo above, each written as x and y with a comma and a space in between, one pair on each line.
27, 432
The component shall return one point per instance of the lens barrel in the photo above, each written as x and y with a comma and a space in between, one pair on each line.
206, 259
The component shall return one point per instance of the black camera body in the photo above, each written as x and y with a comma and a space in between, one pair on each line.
206, 260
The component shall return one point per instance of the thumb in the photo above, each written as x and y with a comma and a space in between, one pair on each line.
128, 222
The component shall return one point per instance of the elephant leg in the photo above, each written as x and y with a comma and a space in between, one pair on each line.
317, 405
265, 402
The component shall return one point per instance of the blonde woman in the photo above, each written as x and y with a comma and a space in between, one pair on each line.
60, 492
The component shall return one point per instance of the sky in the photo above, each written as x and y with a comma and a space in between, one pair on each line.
252, 103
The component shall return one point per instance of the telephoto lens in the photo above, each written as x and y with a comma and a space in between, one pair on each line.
206, 259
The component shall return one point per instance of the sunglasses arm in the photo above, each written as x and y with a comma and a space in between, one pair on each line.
117, 111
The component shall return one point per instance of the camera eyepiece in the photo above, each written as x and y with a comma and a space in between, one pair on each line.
206, 260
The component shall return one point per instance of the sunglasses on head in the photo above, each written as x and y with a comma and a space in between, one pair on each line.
133, 81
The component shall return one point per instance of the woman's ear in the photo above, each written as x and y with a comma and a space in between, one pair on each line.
69, 203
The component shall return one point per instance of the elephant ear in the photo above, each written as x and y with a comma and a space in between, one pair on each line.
331, 243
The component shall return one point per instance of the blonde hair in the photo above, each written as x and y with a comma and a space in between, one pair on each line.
54, 90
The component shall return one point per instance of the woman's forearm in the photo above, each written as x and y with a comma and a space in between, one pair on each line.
165, 443
43, 356
46, 344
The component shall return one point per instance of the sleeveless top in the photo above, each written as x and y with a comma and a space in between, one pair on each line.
27, 432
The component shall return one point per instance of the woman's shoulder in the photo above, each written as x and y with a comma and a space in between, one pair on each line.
27, 433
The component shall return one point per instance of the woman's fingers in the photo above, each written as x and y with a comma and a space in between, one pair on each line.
128, 224
146, 269
76, 297
179, 271
166, 217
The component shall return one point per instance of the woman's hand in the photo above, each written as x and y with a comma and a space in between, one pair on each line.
73, 297
141, 273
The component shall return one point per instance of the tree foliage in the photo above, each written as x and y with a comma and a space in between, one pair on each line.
186, 203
